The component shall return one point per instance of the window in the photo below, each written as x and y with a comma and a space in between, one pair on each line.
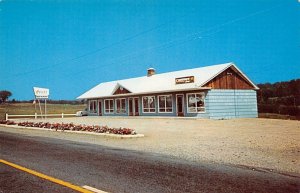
165, 104
92, 106
149, 104
121, 105
195, 102
109, 106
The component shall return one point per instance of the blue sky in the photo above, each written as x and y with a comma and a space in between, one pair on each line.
71, 46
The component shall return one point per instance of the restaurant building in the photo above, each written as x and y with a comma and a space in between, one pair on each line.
216, 92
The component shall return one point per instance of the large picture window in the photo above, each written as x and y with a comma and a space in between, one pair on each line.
93, 106
165, 104
109, 106
149, 104
121, 106
195, 102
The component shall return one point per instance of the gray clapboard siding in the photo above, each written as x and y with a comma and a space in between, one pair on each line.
226, 104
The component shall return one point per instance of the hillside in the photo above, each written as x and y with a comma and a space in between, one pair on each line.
280, 98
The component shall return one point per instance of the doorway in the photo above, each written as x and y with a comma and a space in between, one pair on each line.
133, 106
100, 108
179, 105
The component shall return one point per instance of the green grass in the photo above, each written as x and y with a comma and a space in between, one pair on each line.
30, 109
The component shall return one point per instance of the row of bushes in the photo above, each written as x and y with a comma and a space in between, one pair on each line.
73, 127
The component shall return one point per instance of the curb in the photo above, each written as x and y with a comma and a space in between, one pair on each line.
78, 132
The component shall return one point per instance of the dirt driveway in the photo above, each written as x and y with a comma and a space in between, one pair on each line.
258, 143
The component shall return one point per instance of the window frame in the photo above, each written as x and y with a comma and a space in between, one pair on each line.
133, 100
187, 103
166, 95
125, 109
143, 108
94, 106
109, 109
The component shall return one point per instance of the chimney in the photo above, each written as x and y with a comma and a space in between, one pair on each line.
150, 72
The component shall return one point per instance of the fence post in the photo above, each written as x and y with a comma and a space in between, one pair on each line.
62, 115
35, 115
6, 116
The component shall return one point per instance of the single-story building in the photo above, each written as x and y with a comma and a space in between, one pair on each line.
217, 92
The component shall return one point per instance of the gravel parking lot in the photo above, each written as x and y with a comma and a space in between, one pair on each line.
259, 143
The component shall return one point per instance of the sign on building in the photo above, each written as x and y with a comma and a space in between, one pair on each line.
184, 80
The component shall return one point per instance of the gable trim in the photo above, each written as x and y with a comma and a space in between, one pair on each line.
239, 71
118, 85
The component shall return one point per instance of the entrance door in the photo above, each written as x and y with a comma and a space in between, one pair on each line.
179, 105
133, 106
136, 106
100, 108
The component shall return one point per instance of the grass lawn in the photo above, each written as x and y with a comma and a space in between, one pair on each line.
30, 109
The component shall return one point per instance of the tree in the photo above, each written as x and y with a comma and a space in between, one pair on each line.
4, 95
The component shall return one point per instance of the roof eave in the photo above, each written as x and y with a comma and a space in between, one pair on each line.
144, 93
211, 78
255, 87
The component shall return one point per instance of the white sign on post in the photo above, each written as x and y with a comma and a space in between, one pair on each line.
41, 93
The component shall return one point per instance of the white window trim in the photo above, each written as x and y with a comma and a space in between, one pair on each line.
187, 103
105, 112
120, 103
165, 103
143, 104
133, 105
90, 101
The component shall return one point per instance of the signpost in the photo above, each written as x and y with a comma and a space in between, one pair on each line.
41, 93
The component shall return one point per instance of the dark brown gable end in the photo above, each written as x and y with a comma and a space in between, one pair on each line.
121, 90
230, 79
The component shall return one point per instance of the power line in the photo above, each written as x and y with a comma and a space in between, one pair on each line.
169, 44
100, 49
179, 41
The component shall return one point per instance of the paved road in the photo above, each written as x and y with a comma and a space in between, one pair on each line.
116, 170
16, 181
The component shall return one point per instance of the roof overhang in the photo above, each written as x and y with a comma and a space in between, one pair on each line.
154, 92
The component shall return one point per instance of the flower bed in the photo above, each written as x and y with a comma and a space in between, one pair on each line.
73, 127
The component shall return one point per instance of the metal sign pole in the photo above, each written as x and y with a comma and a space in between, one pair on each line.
35, 105
45, 114
40, 108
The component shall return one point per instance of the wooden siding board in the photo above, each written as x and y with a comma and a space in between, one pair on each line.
229, 79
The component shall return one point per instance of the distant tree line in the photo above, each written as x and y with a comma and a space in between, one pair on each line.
279, 98
71, 102
4, 96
